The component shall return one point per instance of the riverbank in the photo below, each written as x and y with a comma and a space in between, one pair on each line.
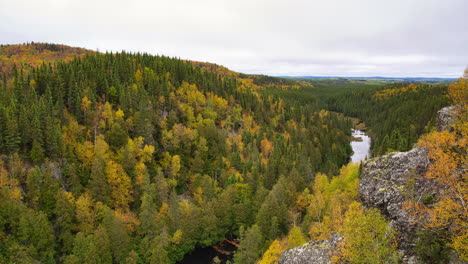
357, 123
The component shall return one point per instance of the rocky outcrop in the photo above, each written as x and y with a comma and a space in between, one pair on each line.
315, 252
446, 117
388, 181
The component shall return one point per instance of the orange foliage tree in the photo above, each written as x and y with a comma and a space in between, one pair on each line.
448, 153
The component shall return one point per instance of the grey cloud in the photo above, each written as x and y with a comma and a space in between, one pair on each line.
278, 37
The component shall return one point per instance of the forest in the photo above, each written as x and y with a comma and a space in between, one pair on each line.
396, 114
135, 158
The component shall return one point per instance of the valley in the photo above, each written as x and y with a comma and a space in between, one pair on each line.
139, 158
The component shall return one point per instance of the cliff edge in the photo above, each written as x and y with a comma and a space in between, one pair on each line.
386, 182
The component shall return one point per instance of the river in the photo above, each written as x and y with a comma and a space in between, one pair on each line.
216, 254
360, 145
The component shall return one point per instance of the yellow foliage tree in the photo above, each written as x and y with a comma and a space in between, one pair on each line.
295, 237
321, 230
266, 147
121, 187
85, 152
175, 166
303, 200
327, 204
163, 213
318, 200
119, 114
85, 212
139, 76
458, 92
177, 237
9, 186
273, 253
367, 238
85, 106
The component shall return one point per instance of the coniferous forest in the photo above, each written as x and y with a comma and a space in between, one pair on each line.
135, 158
396, 113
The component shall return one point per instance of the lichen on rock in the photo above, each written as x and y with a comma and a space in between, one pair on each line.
446, 117
314, 252
390, 180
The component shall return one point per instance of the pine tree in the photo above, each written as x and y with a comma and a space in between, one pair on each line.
12, 137
65, 223
37, 153
249, 249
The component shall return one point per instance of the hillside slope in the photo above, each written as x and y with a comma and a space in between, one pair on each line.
34, 54
134, 158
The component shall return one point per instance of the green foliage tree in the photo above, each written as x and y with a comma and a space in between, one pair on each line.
431, 248
142, 158
250, 246
35, 233
65, 225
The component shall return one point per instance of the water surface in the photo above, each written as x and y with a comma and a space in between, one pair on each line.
360, 148
216, 254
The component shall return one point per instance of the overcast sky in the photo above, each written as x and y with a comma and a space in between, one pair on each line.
290, 37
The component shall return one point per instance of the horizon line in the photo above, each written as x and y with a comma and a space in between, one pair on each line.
363, 77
